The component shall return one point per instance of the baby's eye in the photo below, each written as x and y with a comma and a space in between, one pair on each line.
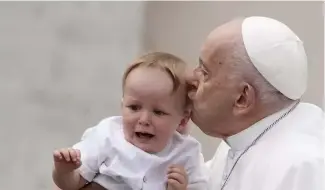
134, 107
158, 112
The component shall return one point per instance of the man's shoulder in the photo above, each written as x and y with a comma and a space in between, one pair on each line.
293, 167
298, 140
295, 157
282, 167
288, 154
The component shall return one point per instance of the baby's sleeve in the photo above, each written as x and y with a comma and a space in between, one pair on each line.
196, 170
94, 146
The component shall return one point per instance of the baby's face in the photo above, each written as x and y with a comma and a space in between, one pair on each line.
151, 112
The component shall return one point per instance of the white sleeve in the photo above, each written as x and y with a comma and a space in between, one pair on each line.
92, 145
86, 133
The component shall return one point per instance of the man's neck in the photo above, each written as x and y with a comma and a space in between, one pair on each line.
258, 114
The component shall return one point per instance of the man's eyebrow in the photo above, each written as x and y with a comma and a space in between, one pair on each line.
200, 61
202, 64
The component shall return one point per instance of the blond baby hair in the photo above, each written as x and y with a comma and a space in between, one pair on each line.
169, 63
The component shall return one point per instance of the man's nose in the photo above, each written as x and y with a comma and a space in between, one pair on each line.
189, 74
192, 83
191, 92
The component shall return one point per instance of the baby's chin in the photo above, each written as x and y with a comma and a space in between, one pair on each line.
149, 147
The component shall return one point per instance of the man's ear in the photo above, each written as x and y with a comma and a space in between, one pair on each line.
246, 100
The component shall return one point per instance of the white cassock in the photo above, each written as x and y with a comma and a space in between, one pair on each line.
290, 156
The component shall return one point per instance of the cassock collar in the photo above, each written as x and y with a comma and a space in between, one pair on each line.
244, 138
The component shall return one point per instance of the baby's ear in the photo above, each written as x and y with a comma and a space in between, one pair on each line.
183, 127
187, 113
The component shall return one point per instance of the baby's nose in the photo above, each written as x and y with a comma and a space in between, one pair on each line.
144, 119
144, 123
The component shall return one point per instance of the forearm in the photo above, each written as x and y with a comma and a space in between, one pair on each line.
68, 181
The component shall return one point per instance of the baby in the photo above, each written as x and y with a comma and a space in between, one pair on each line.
142, 149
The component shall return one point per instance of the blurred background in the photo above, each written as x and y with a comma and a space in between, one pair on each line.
61, 65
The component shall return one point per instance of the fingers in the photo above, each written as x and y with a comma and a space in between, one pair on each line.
73, 155
67, 155
57, 155
78, 154
172, 184
174, 169
176, 178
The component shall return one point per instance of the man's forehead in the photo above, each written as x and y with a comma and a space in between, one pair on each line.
207, 53
224, 34
208, 57
219, 45
206, 65
230, 28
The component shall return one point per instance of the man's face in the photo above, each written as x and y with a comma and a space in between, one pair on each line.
215, 92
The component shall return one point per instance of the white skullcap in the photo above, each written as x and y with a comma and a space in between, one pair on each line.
277, 53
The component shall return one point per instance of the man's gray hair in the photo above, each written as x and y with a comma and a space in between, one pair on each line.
244, 68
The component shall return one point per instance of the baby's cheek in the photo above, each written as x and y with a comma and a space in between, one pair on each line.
128, 132
166, 134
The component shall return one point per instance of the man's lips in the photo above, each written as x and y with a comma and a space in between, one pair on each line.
191, 87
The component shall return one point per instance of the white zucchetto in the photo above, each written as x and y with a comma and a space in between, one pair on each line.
277, 53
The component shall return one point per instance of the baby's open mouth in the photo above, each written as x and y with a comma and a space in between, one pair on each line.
144, 135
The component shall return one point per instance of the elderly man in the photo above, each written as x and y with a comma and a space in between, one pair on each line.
251, 76
246, 90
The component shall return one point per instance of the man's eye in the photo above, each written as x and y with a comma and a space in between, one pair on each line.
197, 68
134, 107
158, 112
203, 72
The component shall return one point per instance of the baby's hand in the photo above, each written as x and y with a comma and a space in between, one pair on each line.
66, 160
176, 178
